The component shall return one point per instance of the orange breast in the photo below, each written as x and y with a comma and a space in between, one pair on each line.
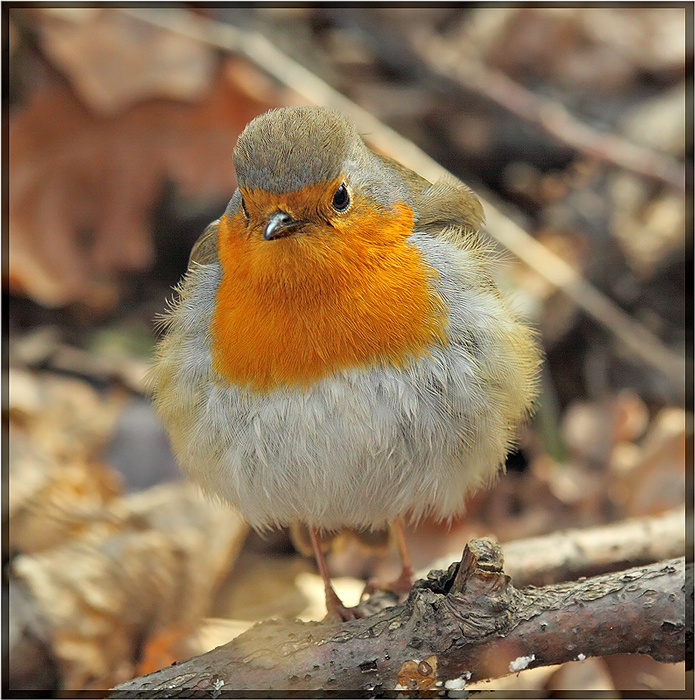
327, 297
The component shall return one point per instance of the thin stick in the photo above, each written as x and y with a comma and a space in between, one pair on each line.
569, 554
547, 114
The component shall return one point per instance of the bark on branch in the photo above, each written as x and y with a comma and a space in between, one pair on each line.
466, 624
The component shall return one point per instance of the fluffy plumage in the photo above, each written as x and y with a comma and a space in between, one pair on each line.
383, 435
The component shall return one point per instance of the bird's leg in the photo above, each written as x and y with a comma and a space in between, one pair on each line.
404, 582
333, 604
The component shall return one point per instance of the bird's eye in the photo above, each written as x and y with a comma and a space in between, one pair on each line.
243, 208
341, 198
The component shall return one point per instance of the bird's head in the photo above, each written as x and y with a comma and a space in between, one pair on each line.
305, 171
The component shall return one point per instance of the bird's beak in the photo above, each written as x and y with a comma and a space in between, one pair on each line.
280, 224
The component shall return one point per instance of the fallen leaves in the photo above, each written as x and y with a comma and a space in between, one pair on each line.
155, 572
598, 48
95, 575
114, 61
83, 186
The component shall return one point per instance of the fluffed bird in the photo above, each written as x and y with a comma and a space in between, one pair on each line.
337, 354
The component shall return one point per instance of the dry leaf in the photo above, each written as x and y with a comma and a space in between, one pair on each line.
102, 596
641, 673
648, 227
58, 487
51, 500
262, 586
65, 416
212, 632
656, 482
651, 38
103, 574
549, 44
114, 60
100, 570
591, 430
659, 122
631, 416
599, 49
83, 187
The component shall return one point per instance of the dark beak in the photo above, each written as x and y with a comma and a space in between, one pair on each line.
280, 224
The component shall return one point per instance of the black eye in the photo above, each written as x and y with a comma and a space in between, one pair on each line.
341, 199
243, 208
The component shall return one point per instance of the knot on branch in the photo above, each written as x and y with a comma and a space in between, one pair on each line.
482, 562
470, 601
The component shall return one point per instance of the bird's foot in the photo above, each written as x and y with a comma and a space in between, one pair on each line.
337, 612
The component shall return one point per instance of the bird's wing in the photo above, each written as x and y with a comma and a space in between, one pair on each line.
415, 183
450, 209
446, 208
204, 250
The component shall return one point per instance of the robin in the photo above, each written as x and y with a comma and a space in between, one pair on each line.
337, 355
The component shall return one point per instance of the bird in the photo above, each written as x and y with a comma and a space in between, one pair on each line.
337, 354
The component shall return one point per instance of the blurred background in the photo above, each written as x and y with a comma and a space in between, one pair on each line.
572, 122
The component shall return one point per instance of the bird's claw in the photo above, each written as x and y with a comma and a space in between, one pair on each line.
343, 613
336, 609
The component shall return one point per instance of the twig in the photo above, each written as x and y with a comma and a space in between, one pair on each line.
427, 55
463, 625
565, 556
635, 337
547, 114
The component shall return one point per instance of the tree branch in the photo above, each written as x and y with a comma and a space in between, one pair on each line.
466, 624
569, 554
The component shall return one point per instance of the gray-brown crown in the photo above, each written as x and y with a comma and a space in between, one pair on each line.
291, 147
